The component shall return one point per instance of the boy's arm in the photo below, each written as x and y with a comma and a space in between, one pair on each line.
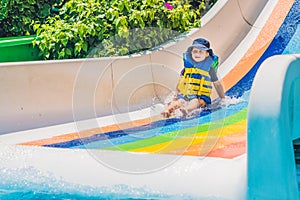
219, 88
217, 84
175, 97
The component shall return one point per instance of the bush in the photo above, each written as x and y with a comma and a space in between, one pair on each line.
83, 24
16, 16
207, 4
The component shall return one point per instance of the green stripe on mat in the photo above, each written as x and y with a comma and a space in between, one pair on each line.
239, 116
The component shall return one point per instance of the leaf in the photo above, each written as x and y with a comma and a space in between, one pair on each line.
64, 42
61, 54
45, 11
32, 2
85, 46
68, 51
77, 48
121, 6
123, 32
127, 5
36, 26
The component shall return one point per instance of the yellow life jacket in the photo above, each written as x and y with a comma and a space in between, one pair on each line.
195, 78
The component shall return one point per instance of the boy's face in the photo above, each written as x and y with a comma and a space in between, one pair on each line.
199, 55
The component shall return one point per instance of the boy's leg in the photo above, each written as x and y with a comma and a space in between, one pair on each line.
192, 105
175, 105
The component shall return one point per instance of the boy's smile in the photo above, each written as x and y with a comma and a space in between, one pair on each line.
199, 55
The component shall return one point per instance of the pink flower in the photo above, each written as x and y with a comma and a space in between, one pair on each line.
168, 6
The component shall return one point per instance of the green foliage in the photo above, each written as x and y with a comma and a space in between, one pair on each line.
3, 9
16, 16
206, 5
120, 27
136, 40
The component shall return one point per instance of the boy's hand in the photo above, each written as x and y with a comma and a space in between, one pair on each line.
202, 103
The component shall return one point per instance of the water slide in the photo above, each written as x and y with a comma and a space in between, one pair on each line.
95, 122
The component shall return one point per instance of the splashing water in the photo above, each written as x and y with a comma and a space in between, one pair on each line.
30, 183
216, 104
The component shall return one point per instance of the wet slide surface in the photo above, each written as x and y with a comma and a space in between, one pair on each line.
217, 132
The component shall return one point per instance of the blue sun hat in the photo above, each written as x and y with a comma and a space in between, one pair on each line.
202, 44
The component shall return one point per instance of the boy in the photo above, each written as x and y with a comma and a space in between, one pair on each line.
194, 87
